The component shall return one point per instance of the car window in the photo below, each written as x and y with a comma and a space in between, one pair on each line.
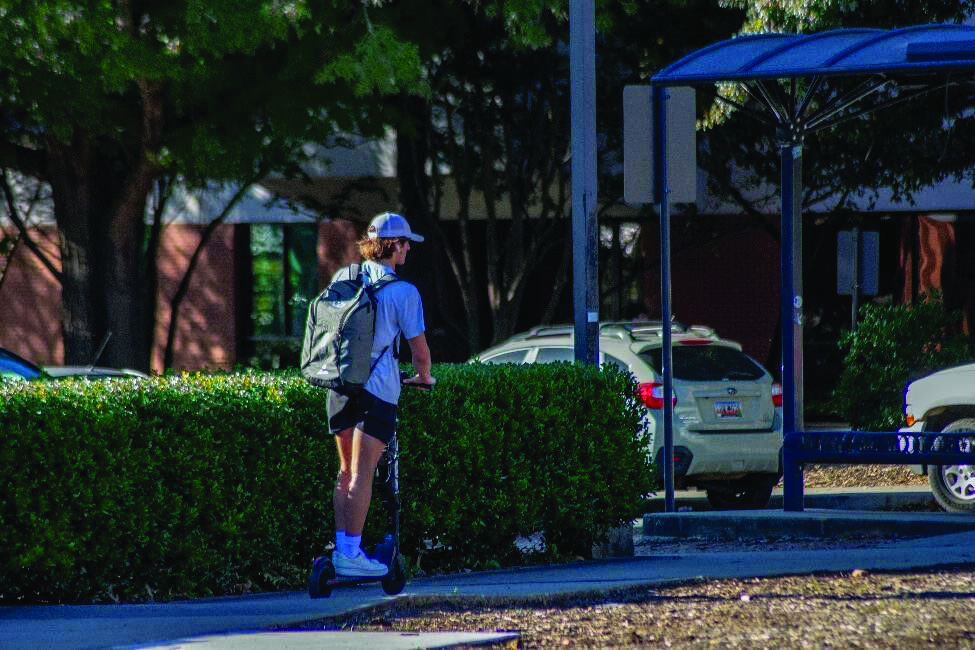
706, 363
514, 356
551, 355
608, 358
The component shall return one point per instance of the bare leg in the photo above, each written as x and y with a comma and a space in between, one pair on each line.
366, 452
343, 441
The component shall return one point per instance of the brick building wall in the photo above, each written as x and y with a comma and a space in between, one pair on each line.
208, 325
728, 280
30, 304
205, 334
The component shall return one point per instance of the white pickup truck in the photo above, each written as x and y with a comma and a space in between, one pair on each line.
945, 401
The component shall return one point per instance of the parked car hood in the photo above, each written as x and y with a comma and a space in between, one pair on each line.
949, 386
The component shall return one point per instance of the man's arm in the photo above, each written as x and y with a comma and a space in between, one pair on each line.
421, 360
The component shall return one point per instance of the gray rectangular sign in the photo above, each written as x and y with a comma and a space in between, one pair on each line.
868, 268
638, 145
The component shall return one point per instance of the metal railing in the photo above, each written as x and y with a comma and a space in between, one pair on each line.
868, 447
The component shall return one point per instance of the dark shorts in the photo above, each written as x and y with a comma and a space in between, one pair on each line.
371, 414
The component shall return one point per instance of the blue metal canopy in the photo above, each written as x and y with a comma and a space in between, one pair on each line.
840, 52
800, 83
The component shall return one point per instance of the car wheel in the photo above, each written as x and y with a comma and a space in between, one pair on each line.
953, 486
752, 493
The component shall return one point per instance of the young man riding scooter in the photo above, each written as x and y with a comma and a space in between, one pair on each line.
364, 424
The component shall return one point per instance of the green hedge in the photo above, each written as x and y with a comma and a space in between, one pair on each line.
893, 345
157, 489
215, 484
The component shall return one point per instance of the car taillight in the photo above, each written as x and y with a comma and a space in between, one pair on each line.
652, 395
777, 394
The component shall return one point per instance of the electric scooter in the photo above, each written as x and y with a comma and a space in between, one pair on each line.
323, 578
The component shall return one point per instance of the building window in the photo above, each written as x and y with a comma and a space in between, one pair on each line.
284, 268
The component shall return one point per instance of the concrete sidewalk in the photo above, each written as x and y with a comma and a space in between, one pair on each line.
242, 622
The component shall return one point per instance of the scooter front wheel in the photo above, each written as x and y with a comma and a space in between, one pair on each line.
395, 580
322, 572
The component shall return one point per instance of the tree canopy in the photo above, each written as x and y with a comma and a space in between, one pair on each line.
227, 81
101, 97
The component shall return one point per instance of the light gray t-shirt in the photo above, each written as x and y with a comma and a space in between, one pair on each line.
399, 310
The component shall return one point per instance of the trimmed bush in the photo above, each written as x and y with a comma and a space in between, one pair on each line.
202, 485
500, 450
163, 488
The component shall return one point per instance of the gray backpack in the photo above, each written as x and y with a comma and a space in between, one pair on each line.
341, 325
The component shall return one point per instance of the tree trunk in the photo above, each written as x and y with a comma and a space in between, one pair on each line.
127, 305
412, 148
68, 170
100, 190
100, 216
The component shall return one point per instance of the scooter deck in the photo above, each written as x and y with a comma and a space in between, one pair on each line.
338, 580
323, 578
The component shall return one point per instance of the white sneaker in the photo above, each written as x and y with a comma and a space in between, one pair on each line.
358, 566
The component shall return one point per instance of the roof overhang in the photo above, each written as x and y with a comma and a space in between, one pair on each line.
916, 50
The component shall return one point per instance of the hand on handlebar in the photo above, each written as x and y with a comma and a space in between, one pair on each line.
417, 381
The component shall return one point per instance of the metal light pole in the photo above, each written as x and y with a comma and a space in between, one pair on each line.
585, 283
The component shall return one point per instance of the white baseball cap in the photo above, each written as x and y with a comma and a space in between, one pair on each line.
390, 225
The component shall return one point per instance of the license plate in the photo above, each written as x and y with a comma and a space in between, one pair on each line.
730, 409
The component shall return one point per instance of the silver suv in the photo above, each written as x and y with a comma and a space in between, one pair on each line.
727, 409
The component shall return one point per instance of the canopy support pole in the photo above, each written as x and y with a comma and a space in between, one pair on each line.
791, 292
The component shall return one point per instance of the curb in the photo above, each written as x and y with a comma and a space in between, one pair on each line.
898, 511
866, 500
859, 499
808, 523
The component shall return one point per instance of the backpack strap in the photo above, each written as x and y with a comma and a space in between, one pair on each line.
373, 289
350, 272
386, 280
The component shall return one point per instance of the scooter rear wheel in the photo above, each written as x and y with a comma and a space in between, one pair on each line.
395, 580
322, 572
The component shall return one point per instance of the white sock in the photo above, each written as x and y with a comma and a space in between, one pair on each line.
339, 539
352, 545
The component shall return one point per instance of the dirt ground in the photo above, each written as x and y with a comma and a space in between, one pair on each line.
861, 476
854, 610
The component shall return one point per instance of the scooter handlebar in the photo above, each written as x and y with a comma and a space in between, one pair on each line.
419, 386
